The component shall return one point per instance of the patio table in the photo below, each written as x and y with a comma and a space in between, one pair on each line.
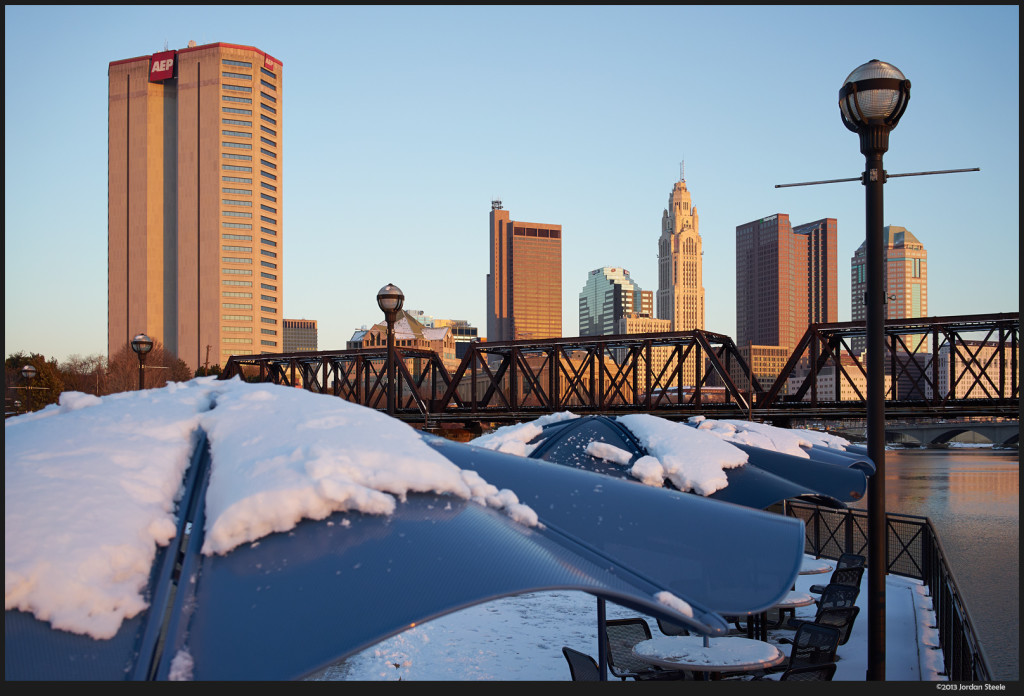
709, 655
813, 566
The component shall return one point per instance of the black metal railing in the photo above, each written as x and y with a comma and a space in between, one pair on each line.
912, 550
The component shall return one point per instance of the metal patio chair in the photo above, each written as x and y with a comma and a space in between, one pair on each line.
582, 667
850, 575
813, 645
622, 635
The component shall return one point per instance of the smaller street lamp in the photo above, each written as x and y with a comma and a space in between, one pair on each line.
142, 344
390, 299
28, 372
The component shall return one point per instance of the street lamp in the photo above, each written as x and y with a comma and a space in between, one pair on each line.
871, 102
390, 299
28, 372
142, 344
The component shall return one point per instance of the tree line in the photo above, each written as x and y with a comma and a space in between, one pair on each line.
92, 374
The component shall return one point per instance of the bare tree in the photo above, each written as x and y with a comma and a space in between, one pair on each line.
161, 367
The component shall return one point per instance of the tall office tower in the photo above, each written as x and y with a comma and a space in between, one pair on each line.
608, 296
194, 188
905, 271
785, 280
298, 335
680, 274
524, 287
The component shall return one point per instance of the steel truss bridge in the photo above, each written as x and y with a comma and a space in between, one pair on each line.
938, 367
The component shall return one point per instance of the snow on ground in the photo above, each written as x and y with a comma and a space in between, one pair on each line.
521, 638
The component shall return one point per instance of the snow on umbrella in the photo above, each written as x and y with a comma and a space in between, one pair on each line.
313, 529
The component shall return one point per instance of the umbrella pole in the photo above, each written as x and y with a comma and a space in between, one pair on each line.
602, 640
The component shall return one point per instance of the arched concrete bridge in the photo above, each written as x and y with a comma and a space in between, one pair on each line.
1002, 433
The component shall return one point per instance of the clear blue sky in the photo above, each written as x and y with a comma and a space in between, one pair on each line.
402, 123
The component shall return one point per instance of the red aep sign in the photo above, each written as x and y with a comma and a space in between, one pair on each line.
270, 63
161, 66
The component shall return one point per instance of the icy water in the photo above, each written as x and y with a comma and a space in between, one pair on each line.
971, 497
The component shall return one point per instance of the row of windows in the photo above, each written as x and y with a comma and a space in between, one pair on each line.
236, 317
236, 122
268, 242
268, 164
247, 250
270, 332
233, 110
268, 130
268, 298
268, 141
229, 201
268, 264
238, 340
267, 72
266, 286
234, 305
264, 218
268, 108
268, 276
268, 343
236, 213
268, 320
237, 271
241, 283
236, 168
240, 146
268, 186
236, 76
268, 197
268, 310
266, 207
267, 230
237, 294
237, 329
237, 225
268, 253
236, 179
232, 259
266, 118
242, 192
238, 63
267, 152
236, 88
231, 155
240, 100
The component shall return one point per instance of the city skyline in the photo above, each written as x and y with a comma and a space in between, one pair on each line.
393, 138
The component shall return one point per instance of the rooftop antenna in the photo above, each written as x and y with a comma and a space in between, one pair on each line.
682, 171
165, 44
496, 203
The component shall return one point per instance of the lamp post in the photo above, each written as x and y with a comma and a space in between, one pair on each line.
390, 299
142, 344
28, 372
871, 102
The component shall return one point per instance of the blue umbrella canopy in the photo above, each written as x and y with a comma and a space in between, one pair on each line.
828, 476
294, 602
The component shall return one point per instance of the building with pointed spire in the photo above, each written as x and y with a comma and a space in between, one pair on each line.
680, 275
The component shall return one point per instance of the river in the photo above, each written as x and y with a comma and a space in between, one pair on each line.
971, 496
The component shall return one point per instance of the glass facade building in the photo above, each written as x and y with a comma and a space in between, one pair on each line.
608, 296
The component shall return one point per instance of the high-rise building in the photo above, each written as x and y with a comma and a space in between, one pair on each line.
524, 287
785, 280
680, 263
298, 335
905, 264
608, 295
194, 188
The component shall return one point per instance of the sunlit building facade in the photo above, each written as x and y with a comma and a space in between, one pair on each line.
195, 201
785, 279
905, 264
680, 296
299, 335
524, 286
